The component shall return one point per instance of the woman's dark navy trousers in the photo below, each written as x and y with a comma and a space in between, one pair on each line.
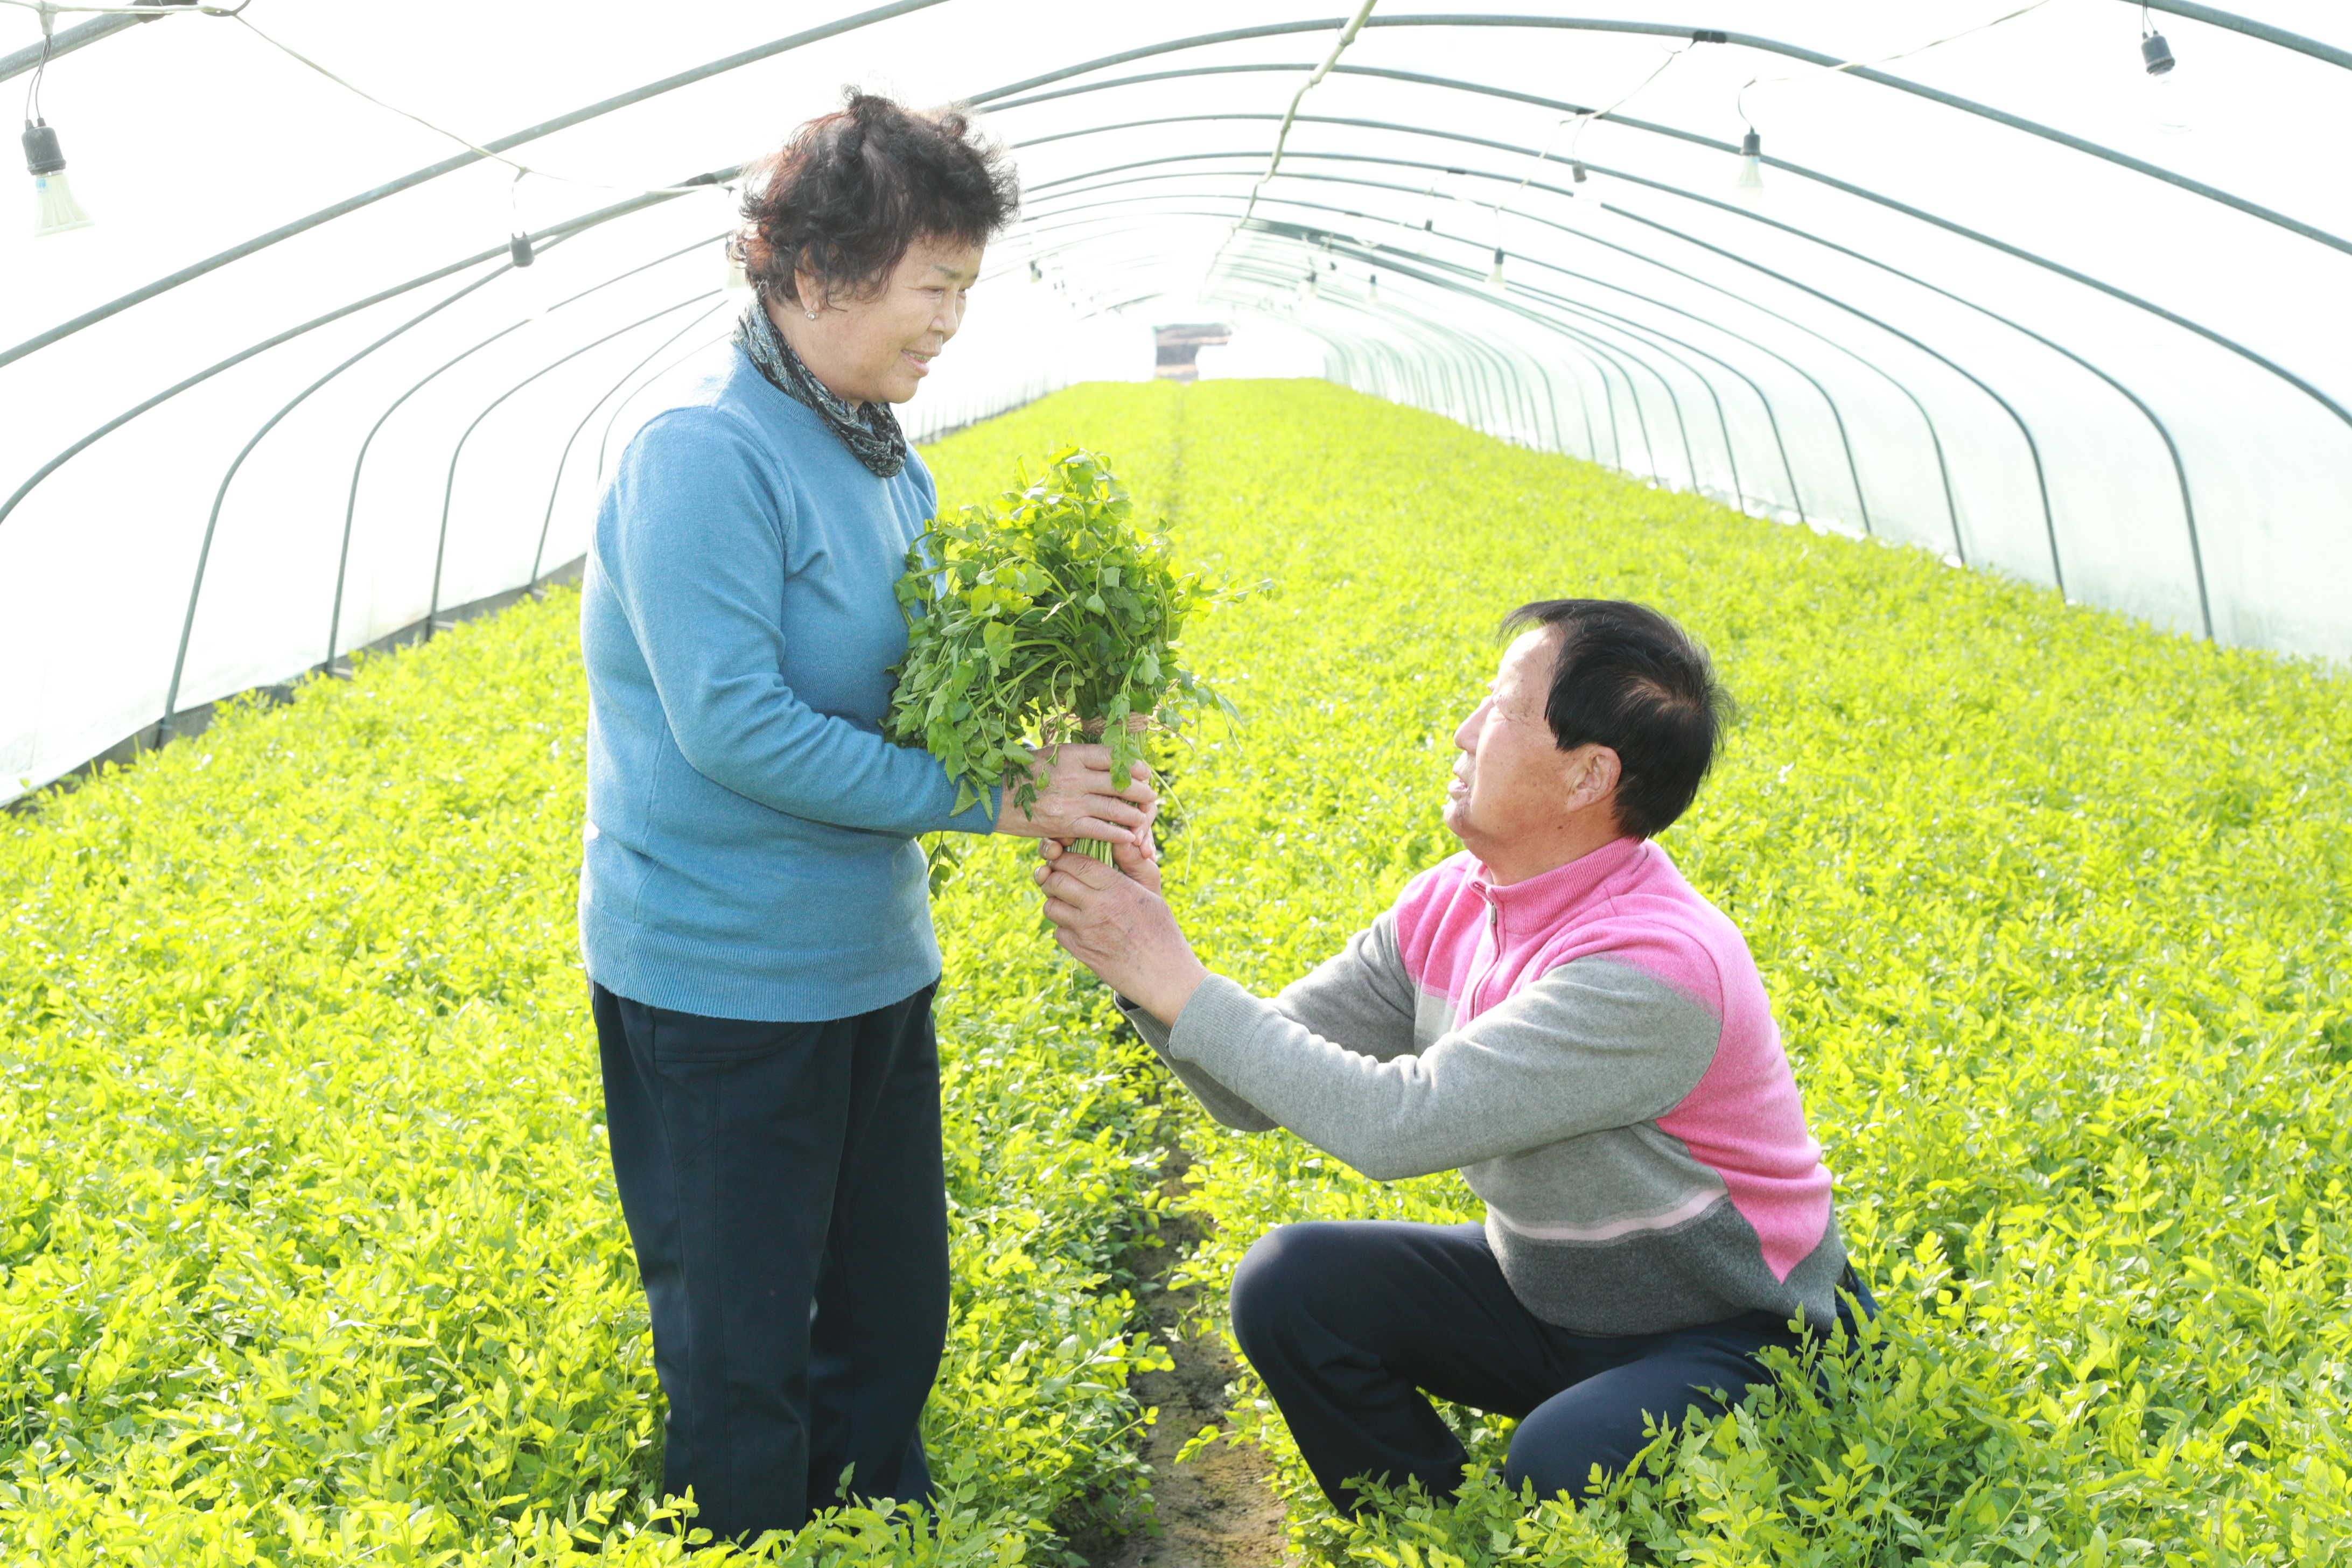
783, 1187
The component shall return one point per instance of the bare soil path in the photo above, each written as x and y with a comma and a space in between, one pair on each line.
1216, 1510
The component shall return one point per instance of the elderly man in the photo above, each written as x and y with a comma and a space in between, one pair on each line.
1556, 1012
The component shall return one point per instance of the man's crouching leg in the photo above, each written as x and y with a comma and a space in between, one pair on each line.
1348, 1320
1625, 1389
1631, 1387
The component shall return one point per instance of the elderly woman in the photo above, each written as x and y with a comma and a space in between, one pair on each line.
1559, 1014
752, 903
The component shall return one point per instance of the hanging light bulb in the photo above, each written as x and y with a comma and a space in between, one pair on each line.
736, 277
1372, 292
1314, 281
58, 211
2168, 97
1036, 273
1495, 276
1750, 186
1578, 171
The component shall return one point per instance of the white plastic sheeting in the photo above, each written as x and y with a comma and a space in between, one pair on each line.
1933, 325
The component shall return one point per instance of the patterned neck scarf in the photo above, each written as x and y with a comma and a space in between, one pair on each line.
871, 433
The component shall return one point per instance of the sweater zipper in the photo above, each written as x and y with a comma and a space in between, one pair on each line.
1494, 930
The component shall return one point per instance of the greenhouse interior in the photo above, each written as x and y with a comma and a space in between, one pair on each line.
1970, 384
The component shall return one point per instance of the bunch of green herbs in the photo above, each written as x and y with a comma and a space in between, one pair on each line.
1044, 616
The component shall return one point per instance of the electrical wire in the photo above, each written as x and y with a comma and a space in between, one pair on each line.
1575, 139
1740, 101
521, 169
49, 13
1581, 120
32, 88
1282, 135
47, 9
50, 9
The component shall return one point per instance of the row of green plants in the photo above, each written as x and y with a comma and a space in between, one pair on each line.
2054, 911
308, 1246
308, 1249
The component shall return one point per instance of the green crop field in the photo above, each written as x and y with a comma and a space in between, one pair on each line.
308, 1251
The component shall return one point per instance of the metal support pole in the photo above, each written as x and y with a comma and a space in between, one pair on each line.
449, 486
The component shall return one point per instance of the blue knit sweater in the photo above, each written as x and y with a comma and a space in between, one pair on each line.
751, 845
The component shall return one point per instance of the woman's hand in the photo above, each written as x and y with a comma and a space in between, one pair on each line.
1077, 799
1113, 920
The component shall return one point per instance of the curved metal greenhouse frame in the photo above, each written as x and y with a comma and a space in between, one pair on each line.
1525, 222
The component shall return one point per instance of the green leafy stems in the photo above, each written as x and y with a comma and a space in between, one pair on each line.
1046, 615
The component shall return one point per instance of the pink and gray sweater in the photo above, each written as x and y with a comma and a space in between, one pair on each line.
1591, 1046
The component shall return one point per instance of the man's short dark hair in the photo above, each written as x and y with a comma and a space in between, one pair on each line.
853, 191
1632, 680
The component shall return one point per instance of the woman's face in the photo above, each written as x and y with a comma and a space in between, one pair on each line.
878, 350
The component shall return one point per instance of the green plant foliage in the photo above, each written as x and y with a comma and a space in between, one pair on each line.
1041, 617
2054, 913
308, 1251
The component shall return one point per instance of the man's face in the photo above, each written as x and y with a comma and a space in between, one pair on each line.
1512, 782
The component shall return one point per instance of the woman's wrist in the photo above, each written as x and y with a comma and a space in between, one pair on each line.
1013, 817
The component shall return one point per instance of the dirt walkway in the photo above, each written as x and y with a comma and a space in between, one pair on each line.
1215, 1511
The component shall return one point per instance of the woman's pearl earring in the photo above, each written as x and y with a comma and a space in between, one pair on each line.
811, 314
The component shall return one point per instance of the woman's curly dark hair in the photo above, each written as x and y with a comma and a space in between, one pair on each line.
853, 190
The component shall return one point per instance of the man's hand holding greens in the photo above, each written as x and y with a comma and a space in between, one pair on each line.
1113, 920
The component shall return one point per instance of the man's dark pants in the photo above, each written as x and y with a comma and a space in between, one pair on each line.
783, 1186
1349, 1321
